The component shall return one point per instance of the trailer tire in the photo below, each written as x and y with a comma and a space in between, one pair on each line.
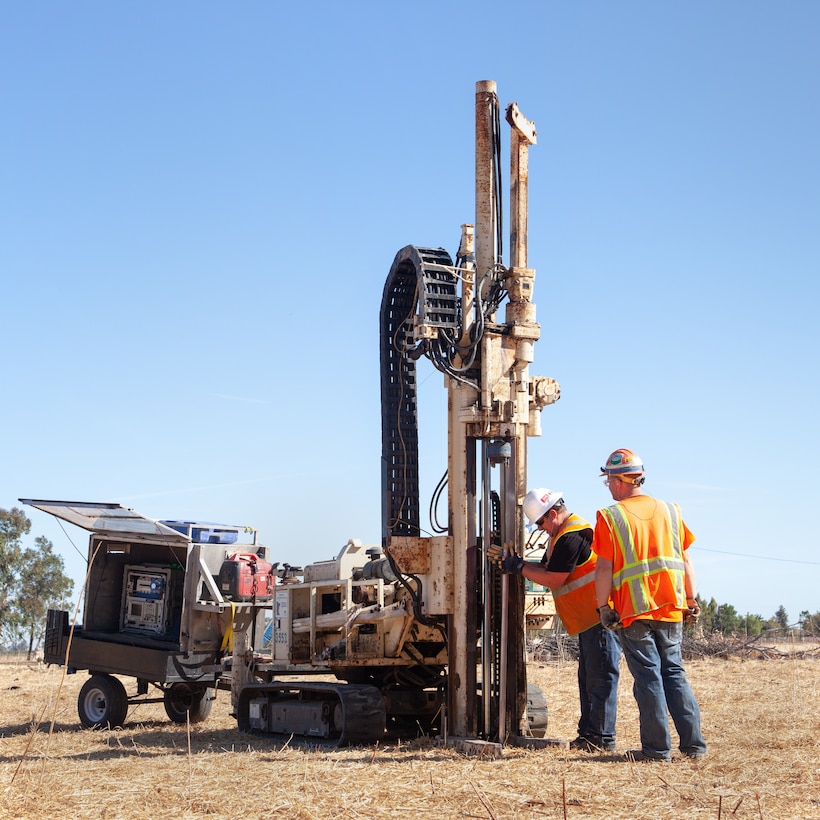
102, 703
184, 702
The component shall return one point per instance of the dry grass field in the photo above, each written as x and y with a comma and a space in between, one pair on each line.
760, 718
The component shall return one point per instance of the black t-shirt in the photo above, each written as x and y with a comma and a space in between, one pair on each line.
570, 550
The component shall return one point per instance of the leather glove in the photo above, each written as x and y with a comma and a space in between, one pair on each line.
494, 553
610, 618
512, 564
692, 612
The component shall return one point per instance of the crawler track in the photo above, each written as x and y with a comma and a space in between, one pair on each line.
347, 713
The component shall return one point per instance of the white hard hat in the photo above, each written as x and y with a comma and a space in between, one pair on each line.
539, 502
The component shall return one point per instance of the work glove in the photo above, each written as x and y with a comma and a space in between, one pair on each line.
610, 618
692, 611
512, 564
495, 553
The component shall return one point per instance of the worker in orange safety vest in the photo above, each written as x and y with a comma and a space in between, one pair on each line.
645, 587
568, 569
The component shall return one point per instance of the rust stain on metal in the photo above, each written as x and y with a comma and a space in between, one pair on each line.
411, 554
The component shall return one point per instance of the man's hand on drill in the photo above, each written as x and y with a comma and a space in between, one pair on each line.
510, 564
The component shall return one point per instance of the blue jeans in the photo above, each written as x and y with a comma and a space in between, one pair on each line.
653, 655
599, 651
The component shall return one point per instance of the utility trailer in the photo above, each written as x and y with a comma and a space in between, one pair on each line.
153, 610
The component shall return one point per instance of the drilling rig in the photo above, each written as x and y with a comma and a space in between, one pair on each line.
449, 313
420, 630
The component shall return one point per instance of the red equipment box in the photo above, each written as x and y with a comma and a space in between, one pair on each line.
246, 577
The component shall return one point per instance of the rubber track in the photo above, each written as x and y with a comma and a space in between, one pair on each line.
363, 713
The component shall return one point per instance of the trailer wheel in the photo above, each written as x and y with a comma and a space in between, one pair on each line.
102, 702
184, 702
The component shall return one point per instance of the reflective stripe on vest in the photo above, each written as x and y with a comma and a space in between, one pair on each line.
571, 586
575, 599
576, 524
573, 524
635, 569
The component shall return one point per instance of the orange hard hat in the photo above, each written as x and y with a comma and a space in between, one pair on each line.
623, 462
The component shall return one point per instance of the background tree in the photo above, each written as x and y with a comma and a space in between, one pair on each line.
13, 526
780, 619
708, 610
726, 620
43, 585
31, 581
810, 624
751, 625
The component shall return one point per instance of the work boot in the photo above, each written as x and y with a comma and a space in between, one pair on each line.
637, 756
584, 744
695, 755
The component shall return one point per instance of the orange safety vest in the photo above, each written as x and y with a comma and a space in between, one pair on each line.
575, 598
648, 573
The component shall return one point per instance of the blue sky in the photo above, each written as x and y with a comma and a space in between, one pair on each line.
200, 203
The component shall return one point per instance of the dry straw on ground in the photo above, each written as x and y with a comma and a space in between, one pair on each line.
760, 719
